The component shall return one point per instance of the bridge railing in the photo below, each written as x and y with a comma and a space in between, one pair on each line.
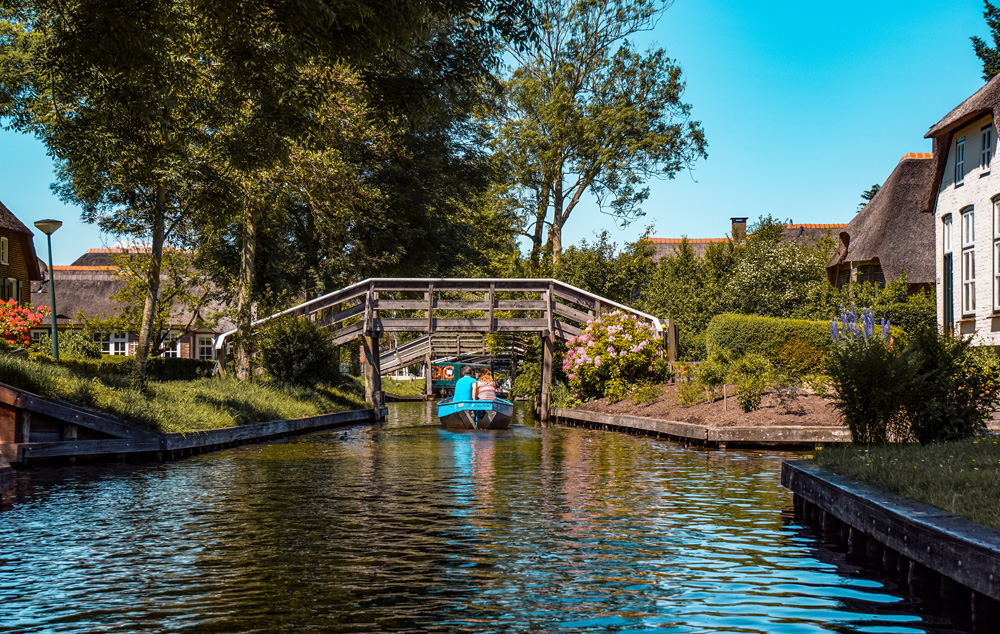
372, 307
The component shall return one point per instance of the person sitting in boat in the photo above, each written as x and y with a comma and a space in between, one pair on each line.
487, 388
466, 387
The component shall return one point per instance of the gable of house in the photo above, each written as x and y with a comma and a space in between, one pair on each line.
18, 261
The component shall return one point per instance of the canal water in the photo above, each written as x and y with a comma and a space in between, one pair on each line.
410, 528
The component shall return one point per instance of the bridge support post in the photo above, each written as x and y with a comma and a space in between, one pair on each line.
547, 349
428, 378
373, 374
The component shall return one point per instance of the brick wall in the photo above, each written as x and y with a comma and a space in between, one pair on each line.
17, 263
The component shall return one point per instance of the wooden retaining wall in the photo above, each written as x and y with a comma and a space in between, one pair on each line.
6, 476
34, 428
944, 559
722, 437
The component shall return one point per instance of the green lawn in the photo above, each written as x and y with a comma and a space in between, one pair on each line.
962, 477
180, 406
403, 388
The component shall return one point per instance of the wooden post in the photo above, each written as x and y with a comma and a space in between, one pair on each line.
429, 296
671, 335
491, 297
429, 380
373, 376
546, 376
22, 429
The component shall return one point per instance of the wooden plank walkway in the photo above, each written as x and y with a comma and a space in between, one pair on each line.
722, 437
928, 548
33, 428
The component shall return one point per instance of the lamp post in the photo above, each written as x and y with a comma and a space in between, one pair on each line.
48, 227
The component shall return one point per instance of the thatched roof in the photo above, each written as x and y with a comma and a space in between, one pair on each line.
985, 101
88, 289
799, 233
11, 223
892, 228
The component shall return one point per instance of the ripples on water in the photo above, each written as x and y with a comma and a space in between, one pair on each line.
413, 528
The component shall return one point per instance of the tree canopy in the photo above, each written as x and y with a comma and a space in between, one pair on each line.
989, 55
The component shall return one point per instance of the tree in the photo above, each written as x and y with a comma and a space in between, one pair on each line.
185, 292
867, 195
600, 268
989, 55
585, 113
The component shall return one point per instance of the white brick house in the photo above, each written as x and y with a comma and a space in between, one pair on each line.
966, 209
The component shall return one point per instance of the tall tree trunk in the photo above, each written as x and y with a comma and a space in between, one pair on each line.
555, 237
152, 280
541, 212
244, 319
555, 231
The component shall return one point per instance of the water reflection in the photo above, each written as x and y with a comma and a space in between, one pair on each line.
410, 527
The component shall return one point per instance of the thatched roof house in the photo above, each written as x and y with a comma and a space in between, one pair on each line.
18, 262
892, 233
798, 233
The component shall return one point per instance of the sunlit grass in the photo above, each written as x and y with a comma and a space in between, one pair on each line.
962, 477
180, 406
403, 388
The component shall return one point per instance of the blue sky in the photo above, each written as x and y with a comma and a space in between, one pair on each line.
805, 105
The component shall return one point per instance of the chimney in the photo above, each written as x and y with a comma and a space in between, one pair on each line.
739, 228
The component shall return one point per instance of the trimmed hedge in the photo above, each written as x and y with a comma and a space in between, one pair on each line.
796, 345
159, 368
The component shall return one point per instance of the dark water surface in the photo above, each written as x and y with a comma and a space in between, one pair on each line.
413, 528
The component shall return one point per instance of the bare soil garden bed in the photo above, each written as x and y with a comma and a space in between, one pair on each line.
807, 409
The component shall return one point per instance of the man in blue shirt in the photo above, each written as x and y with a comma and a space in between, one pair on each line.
465, 387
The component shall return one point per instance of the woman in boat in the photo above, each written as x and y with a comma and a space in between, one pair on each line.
465, 387
487, 388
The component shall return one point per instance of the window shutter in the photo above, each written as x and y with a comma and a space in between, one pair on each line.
20, 294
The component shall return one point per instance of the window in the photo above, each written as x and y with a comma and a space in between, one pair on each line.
968, 228
986, 153
12, 289
206, 347
968, 281
959, 161
4, 251
115, 343
172, 345
37, 334
946, 232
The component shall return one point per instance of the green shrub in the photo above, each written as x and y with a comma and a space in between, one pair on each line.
614, 352
73, 344
956, 387
560, 396
795, 345
751, 374
646, 393
298, 352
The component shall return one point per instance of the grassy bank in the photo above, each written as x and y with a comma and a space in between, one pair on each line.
180, 406
962, 477
403, 388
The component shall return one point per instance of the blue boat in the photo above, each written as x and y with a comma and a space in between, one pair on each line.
493, 414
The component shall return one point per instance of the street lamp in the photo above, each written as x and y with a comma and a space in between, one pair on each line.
48, 227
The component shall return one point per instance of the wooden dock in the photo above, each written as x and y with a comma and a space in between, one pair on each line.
703, 435
6, 475
36, 428
942, 558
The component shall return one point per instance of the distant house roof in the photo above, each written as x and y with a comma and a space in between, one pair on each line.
892, 228
791, 233
10, 222
985, 101
88, 289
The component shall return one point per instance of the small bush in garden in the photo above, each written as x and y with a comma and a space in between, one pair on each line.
16, 322
751, 375
560, 395
956, 387
661, 371
872, 379
298, 352
646, 394
690, 393
614, 353
73, 344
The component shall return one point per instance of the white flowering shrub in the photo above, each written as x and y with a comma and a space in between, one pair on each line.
613, 355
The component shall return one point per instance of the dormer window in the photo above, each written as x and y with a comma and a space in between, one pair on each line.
986, 151
959, 161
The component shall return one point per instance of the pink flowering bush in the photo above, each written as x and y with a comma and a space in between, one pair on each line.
17, 321
613, 355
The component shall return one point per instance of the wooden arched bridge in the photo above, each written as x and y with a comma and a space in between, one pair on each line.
367, 310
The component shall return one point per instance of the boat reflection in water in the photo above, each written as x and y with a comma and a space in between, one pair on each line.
488, 414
